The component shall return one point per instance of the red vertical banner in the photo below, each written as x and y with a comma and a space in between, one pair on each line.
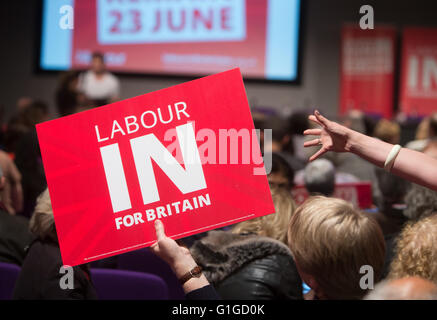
418, 88
367, 70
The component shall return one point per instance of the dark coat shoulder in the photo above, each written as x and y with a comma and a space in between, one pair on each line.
40, 276
248, 266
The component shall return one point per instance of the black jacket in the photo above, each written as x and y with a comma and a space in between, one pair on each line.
40, 276
14, 237
248, 266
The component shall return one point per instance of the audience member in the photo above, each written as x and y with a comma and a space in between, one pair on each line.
97, 84
21, 123
409, 288
416, 252
319, 177
391, 206
253, 262
325, 165
354, 120
432, 126
40, 274
422, 136
14, 233
297, 124
281, 173
68, 98
11, 194
420, 202
331, 241
388, 131
281, 141
29, 162
23, 103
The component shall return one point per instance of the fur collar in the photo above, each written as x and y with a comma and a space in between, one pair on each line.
221, 253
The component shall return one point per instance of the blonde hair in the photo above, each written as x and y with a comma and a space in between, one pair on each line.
387, 131
331, 241
42, 223
273, 225
416, 251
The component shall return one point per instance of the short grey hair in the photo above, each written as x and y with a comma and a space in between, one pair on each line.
320, 177
42, 223
421, 202
393, 188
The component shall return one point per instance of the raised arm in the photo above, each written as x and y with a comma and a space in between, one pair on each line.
412, 165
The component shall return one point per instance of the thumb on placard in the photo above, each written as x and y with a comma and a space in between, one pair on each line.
159, 228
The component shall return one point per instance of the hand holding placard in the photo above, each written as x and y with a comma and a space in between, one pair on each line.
179, 258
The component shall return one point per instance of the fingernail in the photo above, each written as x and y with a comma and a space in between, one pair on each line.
317, 112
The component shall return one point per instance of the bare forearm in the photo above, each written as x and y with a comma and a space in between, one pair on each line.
371, 149
411, 165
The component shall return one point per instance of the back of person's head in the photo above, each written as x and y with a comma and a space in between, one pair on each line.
331, 241
42, 222
68, 79
298, 122
281, 174
273, 225
388, 131
354, 120
393, 188
433, 126
280, 136
37, 112
416, 250
319, 177
422, 131
420, 201
279, 127
369, 124
410, 288
23, 103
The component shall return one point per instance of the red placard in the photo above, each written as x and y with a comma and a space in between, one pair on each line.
360, 193
418, 89
106, 191
367, 70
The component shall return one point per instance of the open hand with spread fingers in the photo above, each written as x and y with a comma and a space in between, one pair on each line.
332, 136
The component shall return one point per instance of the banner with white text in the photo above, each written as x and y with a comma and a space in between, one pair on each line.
367, 70
418, 88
